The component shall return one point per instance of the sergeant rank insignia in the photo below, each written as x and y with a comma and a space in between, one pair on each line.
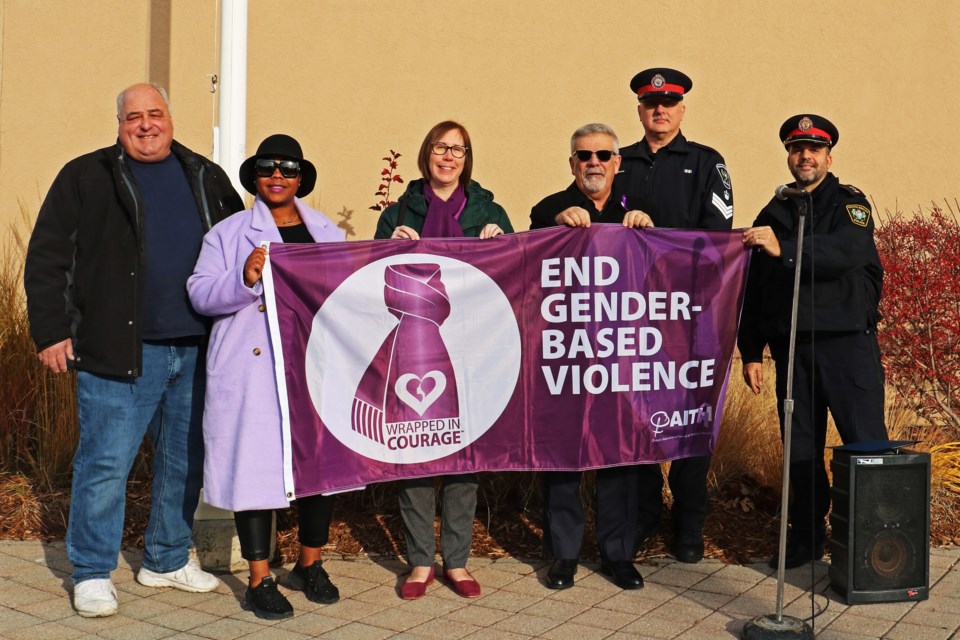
859, 214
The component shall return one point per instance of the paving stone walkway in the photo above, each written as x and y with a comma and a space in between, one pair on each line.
701, 601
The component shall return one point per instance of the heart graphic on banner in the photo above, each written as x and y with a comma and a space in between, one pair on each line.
427, 398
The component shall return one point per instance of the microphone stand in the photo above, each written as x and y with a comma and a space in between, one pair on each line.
778, 625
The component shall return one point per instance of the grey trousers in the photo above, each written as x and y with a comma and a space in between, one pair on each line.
418, 508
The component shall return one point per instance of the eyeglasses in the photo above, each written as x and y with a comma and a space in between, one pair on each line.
440, 148
603, 155
288, 168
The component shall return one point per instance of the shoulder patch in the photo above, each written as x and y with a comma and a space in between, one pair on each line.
724, 175
849, 188
859, 214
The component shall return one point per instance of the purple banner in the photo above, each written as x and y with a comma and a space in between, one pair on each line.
556, 349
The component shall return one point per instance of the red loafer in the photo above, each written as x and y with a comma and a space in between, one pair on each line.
466, 588
413, 590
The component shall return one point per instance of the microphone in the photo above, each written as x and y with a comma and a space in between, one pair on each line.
783, 192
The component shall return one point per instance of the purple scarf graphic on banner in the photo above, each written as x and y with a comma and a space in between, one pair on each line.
556, 349
420, 383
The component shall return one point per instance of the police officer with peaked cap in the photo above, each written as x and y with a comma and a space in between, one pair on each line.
837, 358
684, 185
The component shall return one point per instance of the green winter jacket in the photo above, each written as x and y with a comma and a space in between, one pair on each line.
479, 211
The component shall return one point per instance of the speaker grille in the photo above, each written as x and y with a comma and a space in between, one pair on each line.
890, 516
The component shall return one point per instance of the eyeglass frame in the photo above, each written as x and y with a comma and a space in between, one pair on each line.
448, 147
261, 165
576, 154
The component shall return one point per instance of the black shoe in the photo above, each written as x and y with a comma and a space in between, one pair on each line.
688, 546
798, 554
314, 582
267, 601
644, 533
560, 575
624, 574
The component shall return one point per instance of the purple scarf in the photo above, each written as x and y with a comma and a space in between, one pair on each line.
443, 216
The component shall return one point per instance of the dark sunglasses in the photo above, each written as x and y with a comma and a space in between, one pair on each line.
584, 156
288, 168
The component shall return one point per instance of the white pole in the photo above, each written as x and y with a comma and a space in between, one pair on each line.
230, 147
214, 534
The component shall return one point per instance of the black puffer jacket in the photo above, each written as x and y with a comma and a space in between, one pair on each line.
86, 254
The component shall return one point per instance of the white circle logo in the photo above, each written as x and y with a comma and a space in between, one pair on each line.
412, 358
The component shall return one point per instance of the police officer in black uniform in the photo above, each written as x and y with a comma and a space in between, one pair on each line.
592, 197
837, 356
684, 185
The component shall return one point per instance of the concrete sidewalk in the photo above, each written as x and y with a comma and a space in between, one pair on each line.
706, 600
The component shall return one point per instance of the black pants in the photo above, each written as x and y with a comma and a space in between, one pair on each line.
253, 527
616, 513
839, 372
688, 484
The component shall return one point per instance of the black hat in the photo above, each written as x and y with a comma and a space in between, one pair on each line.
660, 82
279, 146
808, 127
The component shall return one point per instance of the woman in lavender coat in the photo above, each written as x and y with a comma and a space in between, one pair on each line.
243, 465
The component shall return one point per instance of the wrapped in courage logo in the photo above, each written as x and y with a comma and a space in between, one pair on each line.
394, 348
411, 404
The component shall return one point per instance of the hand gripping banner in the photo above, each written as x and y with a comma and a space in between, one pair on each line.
556, 349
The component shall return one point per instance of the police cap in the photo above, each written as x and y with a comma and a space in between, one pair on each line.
660, 82
809, 127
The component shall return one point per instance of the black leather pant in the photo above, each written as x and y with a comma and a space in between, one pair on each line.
253, 527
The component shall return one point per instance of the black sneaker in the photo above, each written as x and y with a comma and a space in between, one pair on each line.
267, 601
314, 582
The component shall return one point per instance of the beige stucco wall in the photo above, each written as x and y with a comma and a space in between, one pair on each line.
354, 78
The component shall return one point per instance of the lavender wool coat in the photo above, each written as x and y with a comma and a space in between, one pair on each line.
243, 463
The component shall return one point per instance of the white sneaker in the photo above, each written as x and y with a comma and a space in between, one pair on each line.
95, 598
190, 577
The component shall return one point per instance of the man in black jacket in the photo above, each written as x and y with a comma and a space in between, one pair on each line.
682, 185
115, 240
837, 356
592, 197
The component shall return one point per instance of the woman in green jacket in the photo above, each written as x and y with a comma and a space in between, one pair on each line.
444, 203
463, 207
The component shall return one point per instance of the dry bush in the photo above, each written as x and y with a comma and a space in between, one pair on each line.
22, 510
37, 409
749, 441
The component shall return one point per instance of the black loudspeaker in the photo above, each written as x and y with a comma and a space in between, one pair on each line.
879, 547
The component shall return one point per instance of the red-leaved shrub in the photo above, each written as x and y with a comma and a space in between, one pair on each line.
388, 176
920, 331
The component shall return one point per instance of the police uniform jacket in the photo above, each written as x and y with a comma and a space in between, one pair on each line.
545, 212
841, 274
83, 273
684, 185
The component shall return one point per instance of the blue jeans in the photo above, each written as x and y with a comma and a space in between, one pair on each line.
114, 414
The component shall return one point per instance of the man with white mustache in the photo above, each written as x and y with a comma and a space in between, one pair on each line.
683, 185
592, 197
594, 162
